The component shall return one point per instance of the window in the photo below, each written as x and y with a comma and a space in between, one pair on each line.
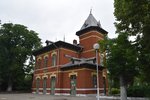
45, 61
54, 60
38, 64
94, 81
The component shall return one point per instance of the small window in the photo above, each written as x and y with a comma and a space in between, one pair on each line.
45, 61
54, 60
94, 81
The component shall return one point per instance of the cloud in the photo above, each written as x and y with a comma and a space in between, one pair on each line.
55, 18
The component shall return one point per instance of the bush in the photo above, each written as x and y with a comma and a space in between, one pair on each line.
115, 91
24, 84
138, 91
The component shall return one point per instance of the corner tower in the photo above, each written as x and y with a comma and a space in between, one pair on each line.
90, 33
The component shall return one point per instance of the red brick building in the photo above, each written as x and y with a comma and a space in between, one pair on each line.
70, 69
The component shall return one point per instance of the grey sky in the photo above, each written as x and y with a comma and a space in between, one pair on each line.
53, 19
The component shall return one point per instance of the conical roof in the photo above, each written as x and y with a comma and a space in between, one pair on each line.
91, 24
90, 21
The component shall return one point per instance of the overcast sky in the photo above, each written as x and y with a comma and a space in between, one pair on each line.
54, 19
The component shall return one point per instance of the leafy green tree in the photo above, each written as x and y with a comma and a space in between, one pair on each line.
133, 17
121, 61
16, 46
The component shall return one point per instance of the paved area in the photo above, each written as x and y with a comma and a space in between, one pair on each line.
41, 97
29, 96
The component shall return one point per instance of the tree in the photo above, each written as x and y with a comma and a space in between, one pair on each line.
16, 46
121, 61
132, 17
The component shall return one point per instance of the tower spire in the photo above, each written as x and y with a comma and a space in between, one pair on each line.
64, 38
91, 10
90, 21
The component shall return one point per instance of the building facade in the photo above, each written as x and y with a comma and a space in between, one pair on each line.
70, 69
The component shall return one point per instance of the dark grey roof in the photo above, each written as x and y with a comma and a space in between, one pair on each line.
81, 65
91, 24
56, 45
78, 61
81, 62
90, 21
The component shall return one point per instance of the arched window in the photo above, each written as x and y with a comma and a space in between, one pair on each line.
38, 64
54, 58
45, 61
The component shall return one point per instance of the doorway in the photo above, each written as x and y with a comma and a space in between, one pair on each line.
44, 85
73, 85
37, 85
53, 82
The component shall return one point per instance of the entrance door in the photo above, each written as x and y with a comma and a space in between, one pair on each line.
37, 85
53, 82
44, 86
73, 85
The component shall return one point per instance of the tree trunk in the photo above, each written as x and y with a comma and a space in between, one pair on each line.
9, 87
123, 92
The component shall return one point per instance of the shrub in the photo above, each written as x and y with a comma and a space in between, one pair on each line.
115, 91
138, 91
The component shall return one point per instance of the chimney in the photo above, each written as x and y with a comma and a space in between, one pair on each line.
47, 42
75, 42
